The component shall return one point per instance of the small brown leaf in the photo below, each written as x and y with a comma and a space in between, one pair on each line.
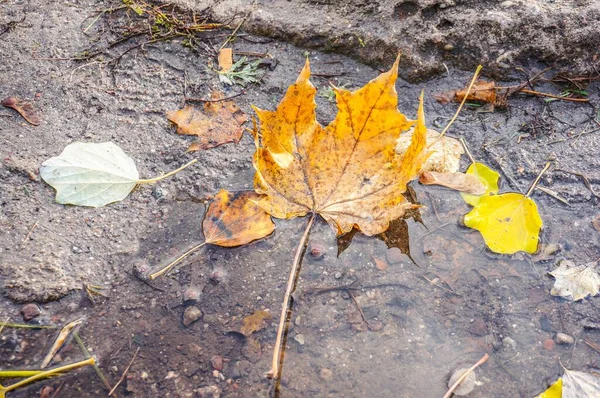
255, 322
225, 59
380, 264
218, 122
24, 108
481, 91
234, 219
461, 182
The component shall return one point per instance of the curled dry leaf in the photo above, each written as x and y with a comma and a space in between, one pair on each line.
24, 108
508, 222
348, 171
64, 333
575, 282
487, 176
255, 322
459, 181
444, 152
234, 219
218, 122
481, 92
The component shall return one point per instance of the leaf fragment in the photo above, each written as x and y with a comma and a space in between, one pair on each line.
235, 218
458, 181
218, 122
87, 174
487, 176
255, 322
347, 172
577, 384
225, 59
481, 92
508, 222
64, 333
444, 152
575, 282
24, 108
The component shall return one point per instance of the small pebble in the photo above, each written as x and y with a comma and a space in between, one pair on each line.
478, 327
191, 295
209, 392
191, 315
299, 338
317, 251
76, 250
563, 338
30, 311
509, 343
548, 344
326, 374
217, 362
448, 47
337, 275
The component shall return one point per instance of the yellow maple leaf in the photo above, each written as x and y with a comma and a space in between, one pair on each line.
508, 222
487, 176
347, 172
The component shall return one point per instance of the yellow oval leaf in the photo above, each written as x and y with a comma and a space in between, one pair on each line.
235, 218
509, 222
487, 176
554, 391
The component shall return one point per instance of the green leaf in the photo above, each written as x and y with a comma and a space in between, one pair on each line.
87, 174
487, 176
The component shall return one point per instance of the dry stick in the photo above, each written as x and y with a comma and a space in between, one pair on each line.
124, 373
553, 96
464, 375
155, 179
477, 71
87, 355
176, 261
50, 372
464, 144
537, 179
294, 273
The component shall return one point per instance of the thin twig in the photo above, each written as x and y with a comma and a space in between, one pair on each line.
230, 37
586, 180
473, 80
553, 96
362, 314
464, 375
190, 99
155, 179
30, 232
87, 354
124, 373
173, 263
537, 179
274, 373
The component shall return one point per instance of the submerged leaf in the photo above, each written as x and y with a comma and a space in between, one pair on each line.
459, 181
444, 151
575, 282
234, 219
487, 176
481, 91
255, 322
509, 222
348, 171
578, 384
87, 174
217, 123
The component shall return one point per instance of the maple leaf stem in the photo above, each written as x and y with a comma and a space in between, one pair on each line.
537, 179
285, 306
483, 359
155, 179
175, 262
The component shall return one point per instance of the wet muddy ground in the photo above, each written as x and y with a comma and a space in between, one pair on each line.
423, 329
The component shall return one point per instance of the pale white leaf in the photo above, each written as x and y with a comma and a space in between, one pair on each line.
576, 282
87, 174
580, 384
445, 151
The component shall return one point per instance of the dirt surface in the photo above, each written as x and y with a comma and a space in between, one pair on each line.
431, 34
424, 331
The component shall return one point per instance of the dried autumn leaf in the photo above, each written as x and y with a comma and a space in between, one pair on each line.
255, 322
487, 176
459, 181
444, 151
481, 91
575, 282
24, 108
234, 219
578, 384
64, 333
508, 222
225, 59
346, 172
218, 122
